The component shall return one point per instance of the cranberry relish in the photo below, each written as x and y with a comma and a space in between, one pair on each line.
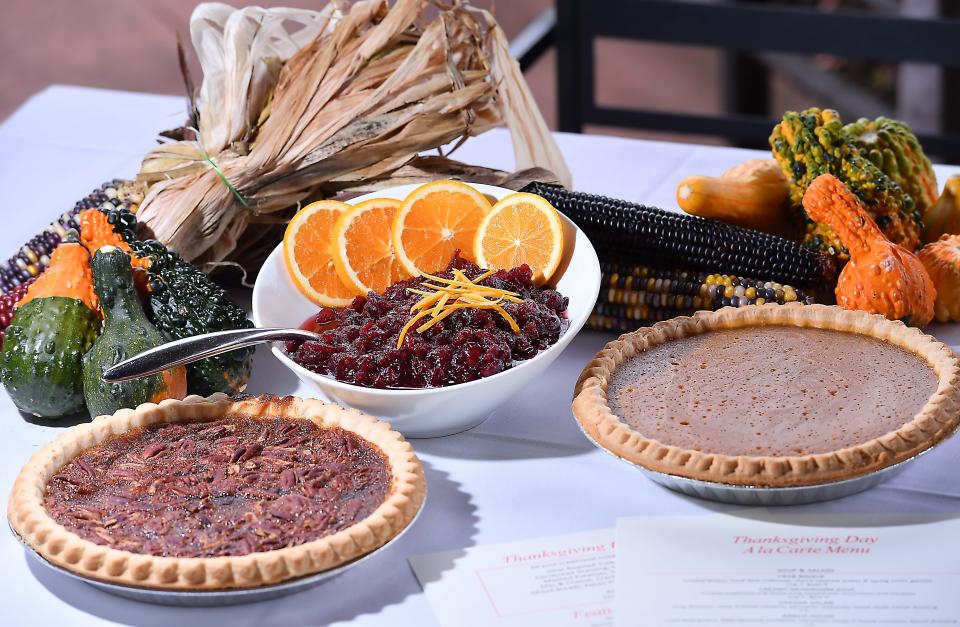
360, 343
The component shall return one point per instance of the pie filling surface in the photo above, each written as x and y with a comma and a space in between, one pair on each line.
770, 391
231, 486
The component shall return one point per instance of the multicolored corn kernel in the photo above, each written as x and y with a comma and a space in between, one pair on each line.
34, 256
632, 296
8, 302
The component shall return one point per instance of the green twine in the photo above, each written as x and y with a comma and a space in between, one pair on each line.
229, 185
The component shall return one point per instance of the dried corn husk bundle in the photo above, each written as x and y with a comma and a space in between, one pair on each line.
363, 89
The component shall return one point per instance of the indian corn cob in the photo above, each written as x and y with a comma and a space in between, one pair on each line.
34, 256
650, 236
632, 296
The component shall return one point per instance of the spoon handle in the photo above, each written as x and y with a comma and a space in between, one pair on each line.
191, 349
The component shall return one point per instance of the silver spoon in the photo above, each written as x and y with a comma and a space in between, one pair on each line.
191, 349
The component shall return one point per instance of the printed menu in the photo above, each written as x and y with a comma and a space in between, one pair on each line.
783, 569
560, 581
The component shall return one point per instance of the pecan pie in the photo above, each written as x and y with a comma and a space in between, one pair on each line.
217, 493
773, 395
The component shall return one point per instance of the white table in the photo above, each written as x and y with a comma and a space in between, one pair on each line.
527, 471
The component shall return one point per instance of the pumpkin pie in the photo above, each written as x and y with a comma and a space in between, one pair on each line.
772, 395
217, 493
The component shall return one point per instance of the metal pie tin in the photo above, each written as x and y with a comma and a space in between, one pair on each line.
764, 495
211, 598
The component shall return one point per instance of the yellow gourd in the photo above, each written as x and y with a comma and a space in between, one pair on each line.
943, 217
754, 194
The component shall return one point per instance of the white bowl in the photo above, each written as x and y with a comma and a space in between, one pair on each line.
428, 412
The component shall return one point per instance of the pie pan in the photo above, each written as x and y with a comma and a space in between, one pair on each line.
767, 496
229, 578
195, 598
693, 464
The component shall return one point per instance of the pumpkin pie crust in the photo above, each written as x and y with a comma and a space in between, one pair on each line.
638, 398
382, 496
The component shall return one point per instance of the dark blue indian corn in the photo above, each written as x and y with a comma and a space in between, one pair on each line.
642, 235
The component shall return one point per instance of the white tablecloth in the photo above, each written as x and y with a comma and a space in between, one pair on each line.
525, 472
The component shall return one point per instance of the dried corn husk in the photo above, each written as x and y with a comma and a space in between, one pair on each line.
364, 88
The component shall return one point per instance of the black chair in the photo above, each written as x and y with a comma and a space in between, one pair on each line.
742, 29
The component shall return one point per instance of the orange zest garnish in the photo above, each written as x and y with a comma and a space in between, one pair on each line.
451, 295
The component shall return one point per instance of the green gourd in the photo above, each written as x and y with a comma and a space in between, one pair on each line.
42, 355
126, 332
184, 302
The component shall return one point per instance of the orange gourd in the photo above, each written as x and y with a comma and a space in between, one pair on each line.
942, 260
96, 232
69, 275
881, 277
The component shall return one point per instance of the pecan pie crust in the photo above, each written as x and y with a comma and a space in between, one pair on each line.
63, 547
936, 420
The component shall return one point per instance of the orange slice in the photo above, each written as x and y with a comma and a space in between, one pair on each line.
435, 220
363, 246
521, 229
307, 253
